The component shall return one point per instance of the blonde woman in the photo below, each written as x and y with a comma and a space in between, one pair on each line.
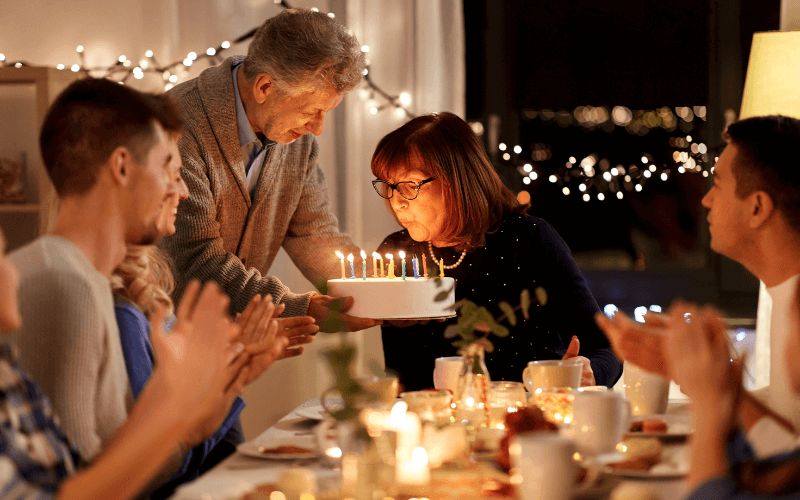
142, 284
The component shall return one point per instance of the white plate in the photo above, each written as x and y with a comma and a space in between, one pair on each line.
254, 449
678, 426
313, 410
663, 470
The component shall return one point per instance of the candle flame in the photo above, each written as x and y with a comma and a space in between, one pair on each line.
398, 411
350, 257
419, 457
339, 254
402, 254
363, 254
377, 255
390, 256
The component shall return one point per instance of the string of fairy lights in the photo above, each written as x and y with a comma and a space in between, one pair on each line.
376, 98
594, 177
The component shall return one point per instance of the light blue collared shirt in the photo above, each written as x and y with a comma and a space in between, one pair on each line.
254, 146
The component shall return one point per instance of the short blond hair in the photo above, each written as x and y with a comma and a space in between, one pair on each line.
145, 278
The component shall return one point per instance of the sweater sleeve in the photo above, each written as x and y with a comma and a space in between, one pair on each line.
574, 305
313, 234
197, 247
63, 349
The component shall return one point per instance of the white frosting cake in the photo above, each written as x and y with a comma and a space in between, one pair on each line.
384, 298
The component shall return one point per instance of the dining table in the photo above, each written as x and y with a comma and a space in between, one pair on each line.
247, 469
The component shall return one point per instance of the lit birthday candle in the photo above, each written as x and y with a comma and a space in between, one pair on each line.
424, 265
403, 259
364, 265
341, 256
390, 274
441, 268
375, 256
352, 271
415, 266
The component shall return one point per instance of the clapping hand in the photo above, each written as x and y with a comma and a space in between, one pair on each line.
641, 344
197, 367
587, 374
268, 338
698, 354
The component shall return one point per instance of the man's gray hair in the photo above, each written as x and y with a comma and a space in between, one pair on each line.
301, 48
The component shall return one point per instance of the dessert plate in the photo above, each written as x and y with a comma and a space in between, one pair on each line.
313, 410
279, 449
678, 426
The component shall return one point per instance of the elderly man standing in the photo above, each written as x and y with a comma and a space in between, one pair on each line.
250, 162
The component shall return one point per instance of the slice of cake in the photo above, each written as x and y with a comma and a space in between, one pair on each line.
397, 298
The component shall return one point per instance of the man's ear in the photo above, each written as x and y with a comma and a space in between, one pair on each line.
761, 208
119, 164
263, 87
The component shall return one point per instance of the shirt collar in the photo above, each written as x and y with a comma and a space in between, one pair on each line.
246, 133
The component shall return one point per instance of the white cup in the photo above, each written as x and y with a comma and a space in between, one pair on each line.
446, 373
599, 420
545, 464
647, 392
552, 373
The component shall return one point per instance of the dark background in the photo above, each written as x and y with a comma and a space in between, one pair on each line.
524, 57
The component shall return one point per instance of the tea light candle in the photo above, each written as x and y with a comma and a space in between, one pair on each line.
415, 266
352, 271
403, 259
390, 274
375, 256
341, 256
363, 265
424, 265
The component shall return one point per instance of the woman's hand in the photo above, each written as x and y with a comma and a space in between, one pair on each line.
587, 374
254, 323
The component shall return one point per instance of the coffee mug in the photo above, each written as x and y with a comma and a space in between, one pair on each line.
599, 420
446, 372
647, 392
545, 465
552, 373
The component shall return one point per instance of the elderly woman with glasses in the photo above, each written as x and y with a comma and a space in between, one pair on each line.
441, 187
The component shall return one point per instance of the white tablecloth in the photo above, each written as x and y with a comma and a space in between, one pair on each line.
239, 474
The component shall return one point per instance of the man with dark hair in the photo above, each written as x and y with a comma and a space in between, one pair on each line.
111, 153
250, 162
754, 218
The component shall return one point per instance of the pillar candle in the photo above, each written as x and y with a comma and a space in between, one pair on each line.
403, 259
352, 271
424, 265
363, 265
341, 256
375, 256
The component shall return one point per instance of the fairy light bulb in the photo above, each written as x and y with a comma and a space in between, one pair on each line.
225, 45
404, 98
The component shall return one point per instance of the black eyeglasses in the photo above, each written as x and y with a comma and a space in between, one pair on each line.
407, 189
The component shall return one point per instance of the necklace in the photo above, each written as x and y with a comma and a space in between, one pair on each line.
460, 259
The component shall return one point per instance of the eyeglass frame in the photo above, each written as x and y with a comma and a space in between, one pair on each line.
394, 186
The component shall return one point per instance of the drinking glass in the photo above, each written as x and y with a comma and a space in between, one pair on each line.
504, 397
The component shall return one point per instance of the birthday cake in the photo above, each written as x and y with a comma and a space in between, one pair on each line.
397, 298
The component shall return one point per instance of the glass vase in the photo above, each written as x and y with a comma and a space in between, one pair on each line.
472, 406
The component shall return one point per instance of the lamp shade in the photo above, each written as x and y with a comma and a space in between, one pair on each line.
772, 86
